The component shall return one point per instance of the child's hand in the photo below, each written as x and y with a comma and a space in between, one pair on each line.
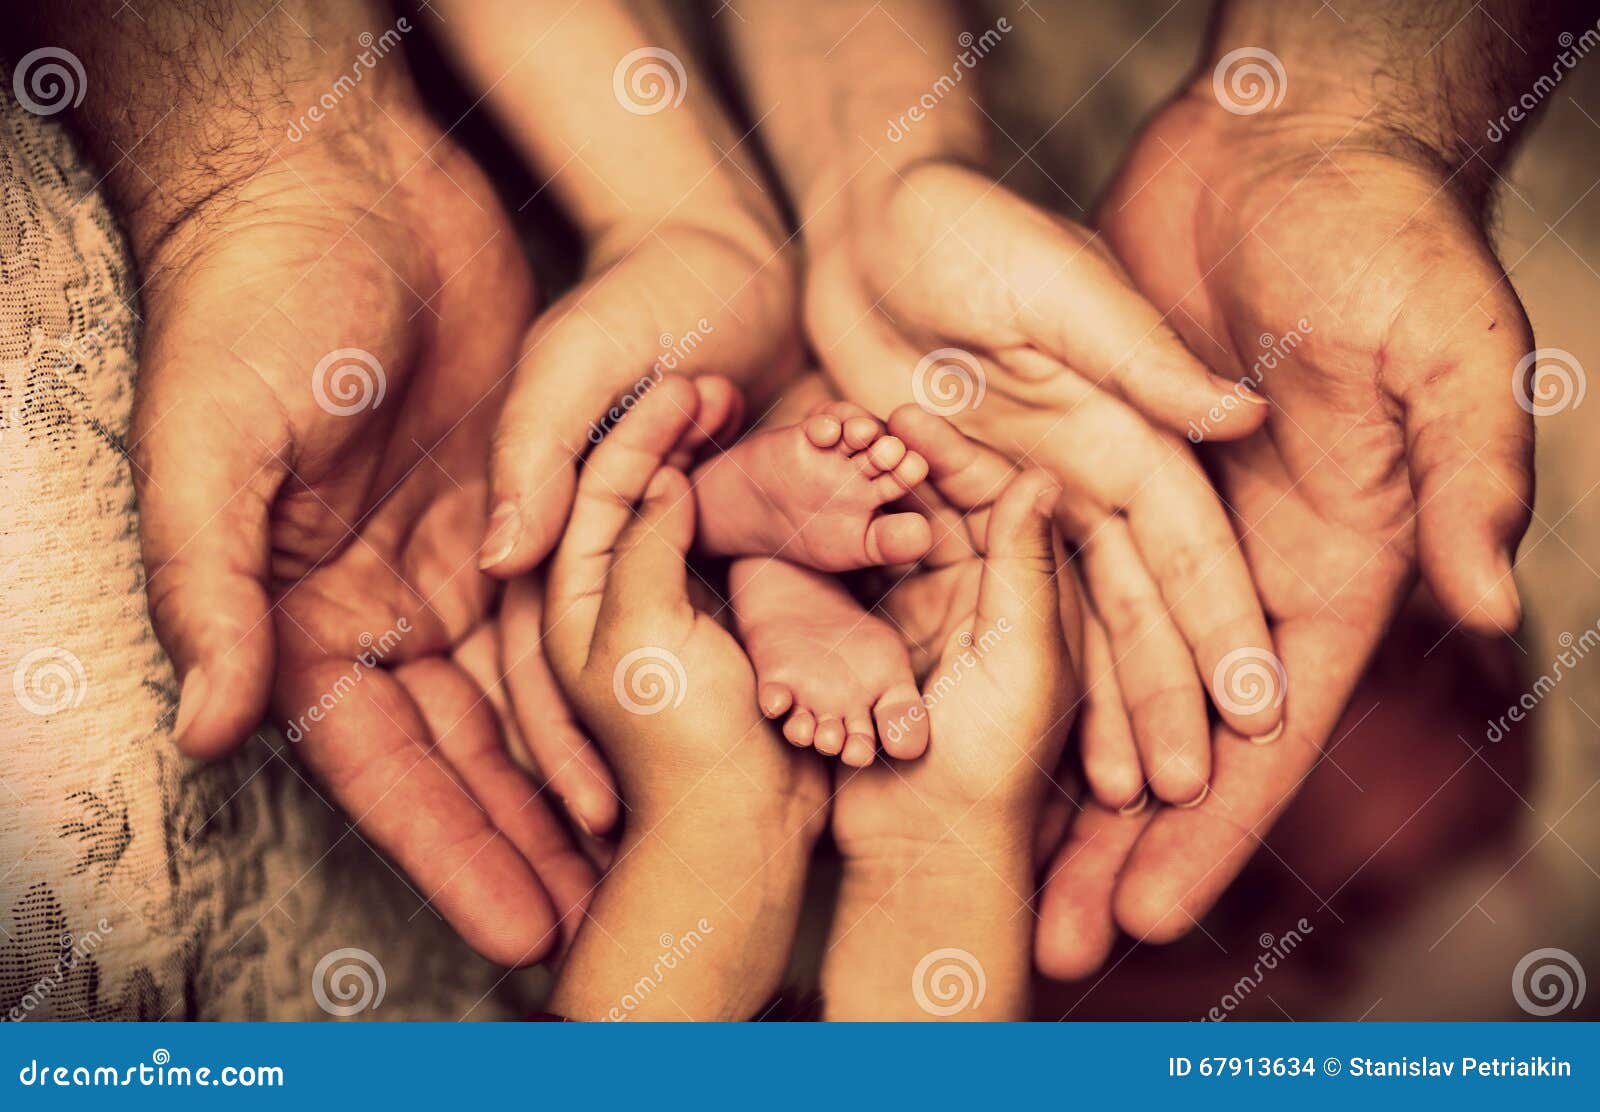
721, 813
932, 915
987, 614
669, 694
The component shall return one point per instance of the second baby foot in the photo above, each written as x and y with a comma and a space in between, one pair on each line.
842, 675
814, 493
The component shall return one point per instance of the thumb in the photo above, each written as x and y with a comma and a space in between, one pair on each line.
204, 494
1469, 447
1019, 587
651, 565
561, 393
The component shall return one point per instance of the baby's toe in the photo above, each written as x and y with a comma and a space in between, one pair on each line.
858, 750
800, 728
902, 722
886, 452
898, 538
823, 430
830, 736
861, 432
774, 698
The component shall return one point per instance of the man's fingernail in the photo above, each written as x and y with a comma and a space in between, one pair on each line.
1137, 804
1046, 502
190, 697
1254, 398
1270, 736
1196, 801
505, 524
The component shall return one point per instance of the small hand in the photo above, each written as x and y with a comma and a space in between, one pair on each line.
670, 694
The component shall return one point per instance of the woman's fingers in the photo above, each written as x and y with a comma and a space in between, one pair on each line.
1076, 929
1110, 754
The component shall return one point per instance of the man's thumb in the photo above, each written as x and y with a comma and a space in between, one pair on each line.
205, 492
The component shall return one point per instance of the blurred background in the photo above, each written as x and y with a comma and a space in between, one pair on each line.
1420, 865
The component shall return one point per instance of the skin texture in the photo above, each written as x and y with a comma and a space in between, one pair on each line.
1394, 442
722, 815
929, 281
938, 852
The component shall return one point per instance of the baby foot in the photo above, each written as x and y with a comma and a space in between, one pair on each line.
813, 493
842, 674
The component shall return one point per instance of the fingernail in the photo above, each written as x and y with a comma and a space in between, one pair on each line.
190, 696
1254, 398
1046, 502
1138, 803
1196, 801
505, 525
1270, 736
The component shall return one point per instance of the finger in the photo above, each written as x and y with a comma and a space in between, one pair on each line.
964, 472
1105, 330
373, 752
1076, 927
651, 571
565, 395
1469, 446
205, 490
720, 412
571, 765
1187, 542
1019, 586
1187, 858
1166, 705
1110, 756
614, 479
466, 734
